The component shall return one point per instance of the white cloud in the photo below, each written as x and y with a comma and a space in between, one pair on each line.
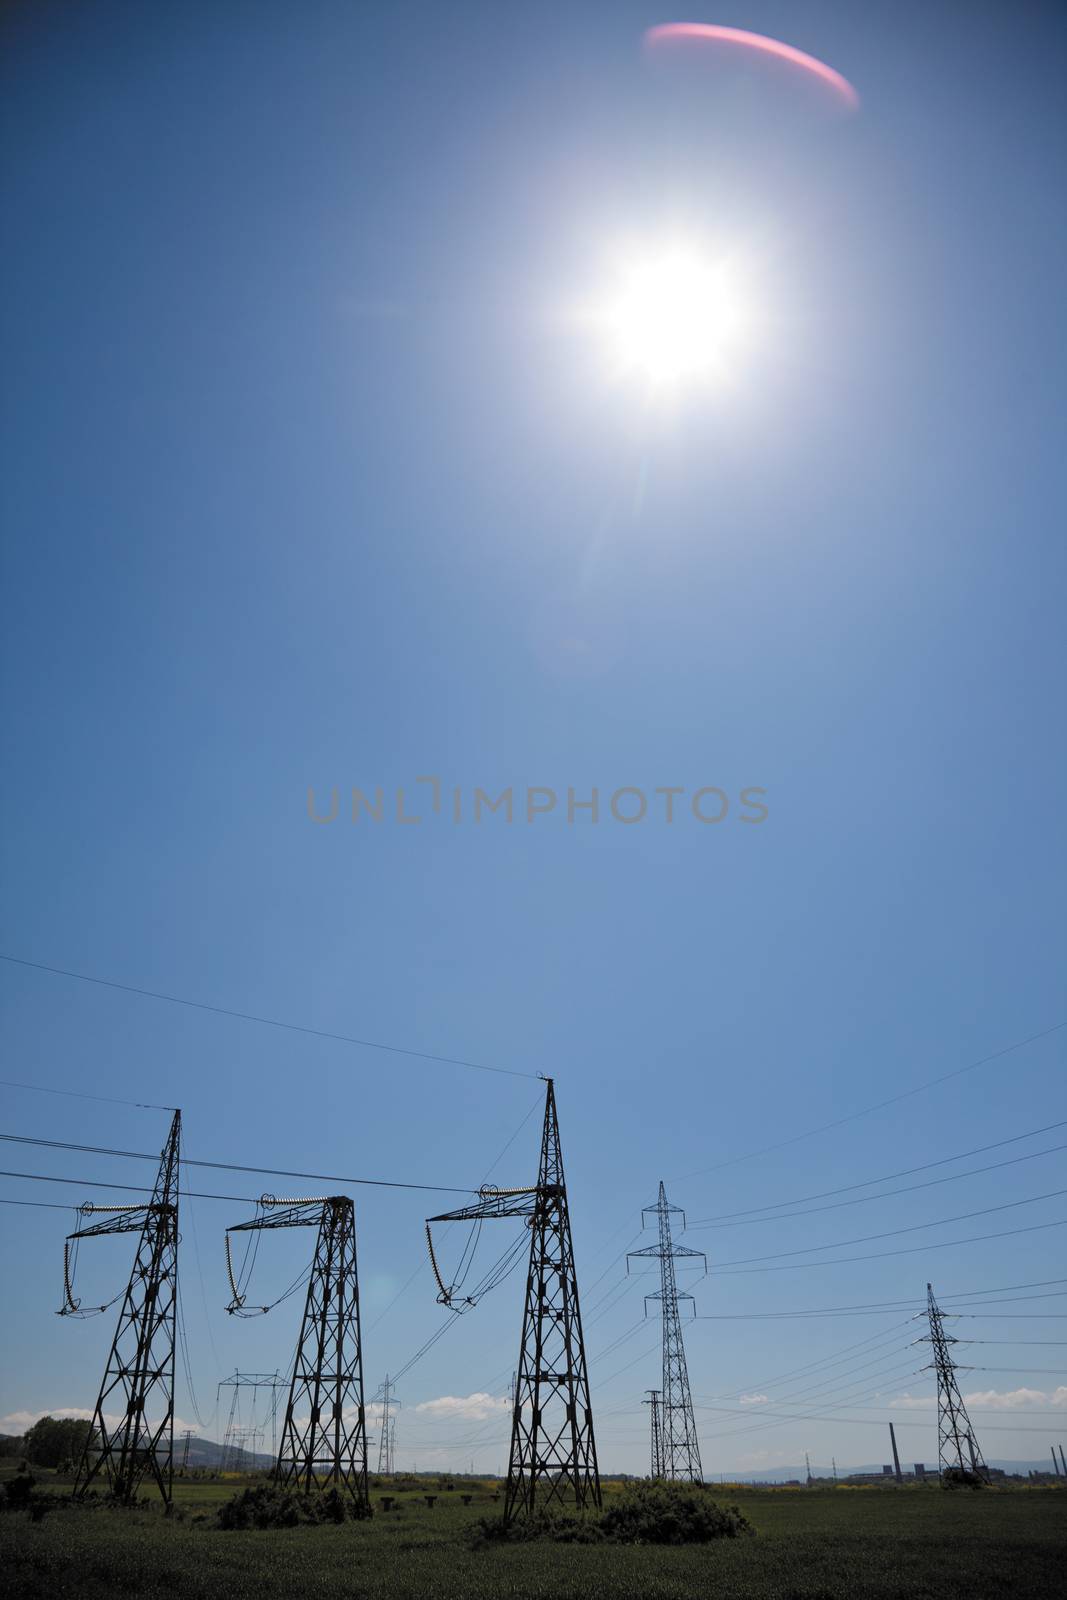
1010, 1398
989, 1399
761, 1458
17, 1422
753, 1399
471, 1407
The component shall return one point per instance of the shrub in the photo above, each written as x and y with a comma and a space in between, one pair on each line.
670, 1513
267, 1505
645, 1513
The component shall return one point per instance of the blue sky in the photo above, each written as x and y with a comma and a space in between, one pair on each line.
313, 478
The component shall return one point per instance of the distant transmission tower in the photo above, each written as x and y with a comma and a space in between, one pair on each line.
387, 1439
254, 1381
137, 1392
324, 1437
656, 1457
553, 1451
679, 1447
187, 1438
957, 1447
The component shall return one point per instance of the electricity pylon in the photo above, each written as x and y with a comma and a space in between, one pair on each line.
324, 1437
656, 1459
553, 1450
137, 1392
954, 1430
679, 1446
386, 1457
254, 1381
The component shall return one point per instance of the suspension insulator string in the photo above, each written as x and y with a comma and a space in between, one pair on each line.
70, 1305
238, 1300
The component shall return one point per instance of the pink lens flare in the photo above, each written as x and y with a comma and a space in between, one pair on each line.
714, 34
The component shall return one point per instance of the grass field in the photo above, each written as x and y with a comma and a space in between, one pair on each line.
811, 1545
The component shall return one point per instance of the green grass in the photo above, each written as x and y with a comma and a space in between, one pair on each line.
817, 1544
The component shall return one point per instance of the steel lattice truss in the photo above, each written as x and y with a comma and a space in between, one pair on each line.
553, 1451
679, 1445
957, 1447
656, 1457
324, 1437
137, 1392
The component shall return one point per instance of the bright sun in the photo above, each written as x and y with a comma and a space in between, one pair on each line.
675, 317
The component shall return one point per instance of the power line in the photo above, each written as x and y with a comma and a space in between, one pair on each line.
267, 1022
891, 1233
232, 1166
78, 1094
887, 1305
867, 1111
742, 1219
129, 1188
882, 1255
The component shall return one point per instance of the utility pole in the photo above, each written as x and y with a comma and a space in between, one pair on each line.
1055, 1463
553, 1450
137, 1390
1063, 1461
679, 1447
654, 1396
324, 1436
833, 1461
807, 1463
386, 1453
896, 1459
954, 1429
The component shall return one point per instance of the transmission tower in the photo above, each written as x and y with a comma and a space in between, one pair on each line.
656, 1459
679, 1445
137, 1391
387, 1439
187, 1438
324, 1437
553, 1451
955, 1435
254, 1381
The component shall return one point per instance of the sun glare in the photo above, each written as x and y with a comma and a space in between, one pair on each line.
675, 317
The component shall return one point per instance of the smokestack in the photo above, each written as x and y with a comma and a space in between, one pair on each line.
896, 1459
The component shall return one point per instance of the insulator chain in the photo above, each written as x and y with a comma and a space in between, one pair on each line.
444, 1294
268, 1200
69, 1303
89, 1207
237, 1303
489, 1191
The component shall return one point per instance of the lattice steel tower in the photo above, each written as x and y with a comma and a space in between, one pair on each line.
656, 1457
679, 1445
138, 1383
553, 1451
387, 1440
324, 1437
955, 1435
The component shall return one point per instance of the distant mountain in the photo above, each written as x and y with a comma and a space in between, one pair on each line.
791, 1474
207, 1454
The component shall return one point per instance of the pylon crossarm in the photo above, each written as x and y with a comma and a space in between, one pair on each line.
654, 1252
499, 1203
118, 1219
287, 1213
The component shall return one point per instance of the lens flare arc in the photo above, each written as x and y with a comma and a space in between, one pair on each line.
713, 33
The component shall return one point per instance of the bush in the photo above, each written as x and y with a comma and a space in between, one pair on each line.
670, 1513
267, 1505
645, 1513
